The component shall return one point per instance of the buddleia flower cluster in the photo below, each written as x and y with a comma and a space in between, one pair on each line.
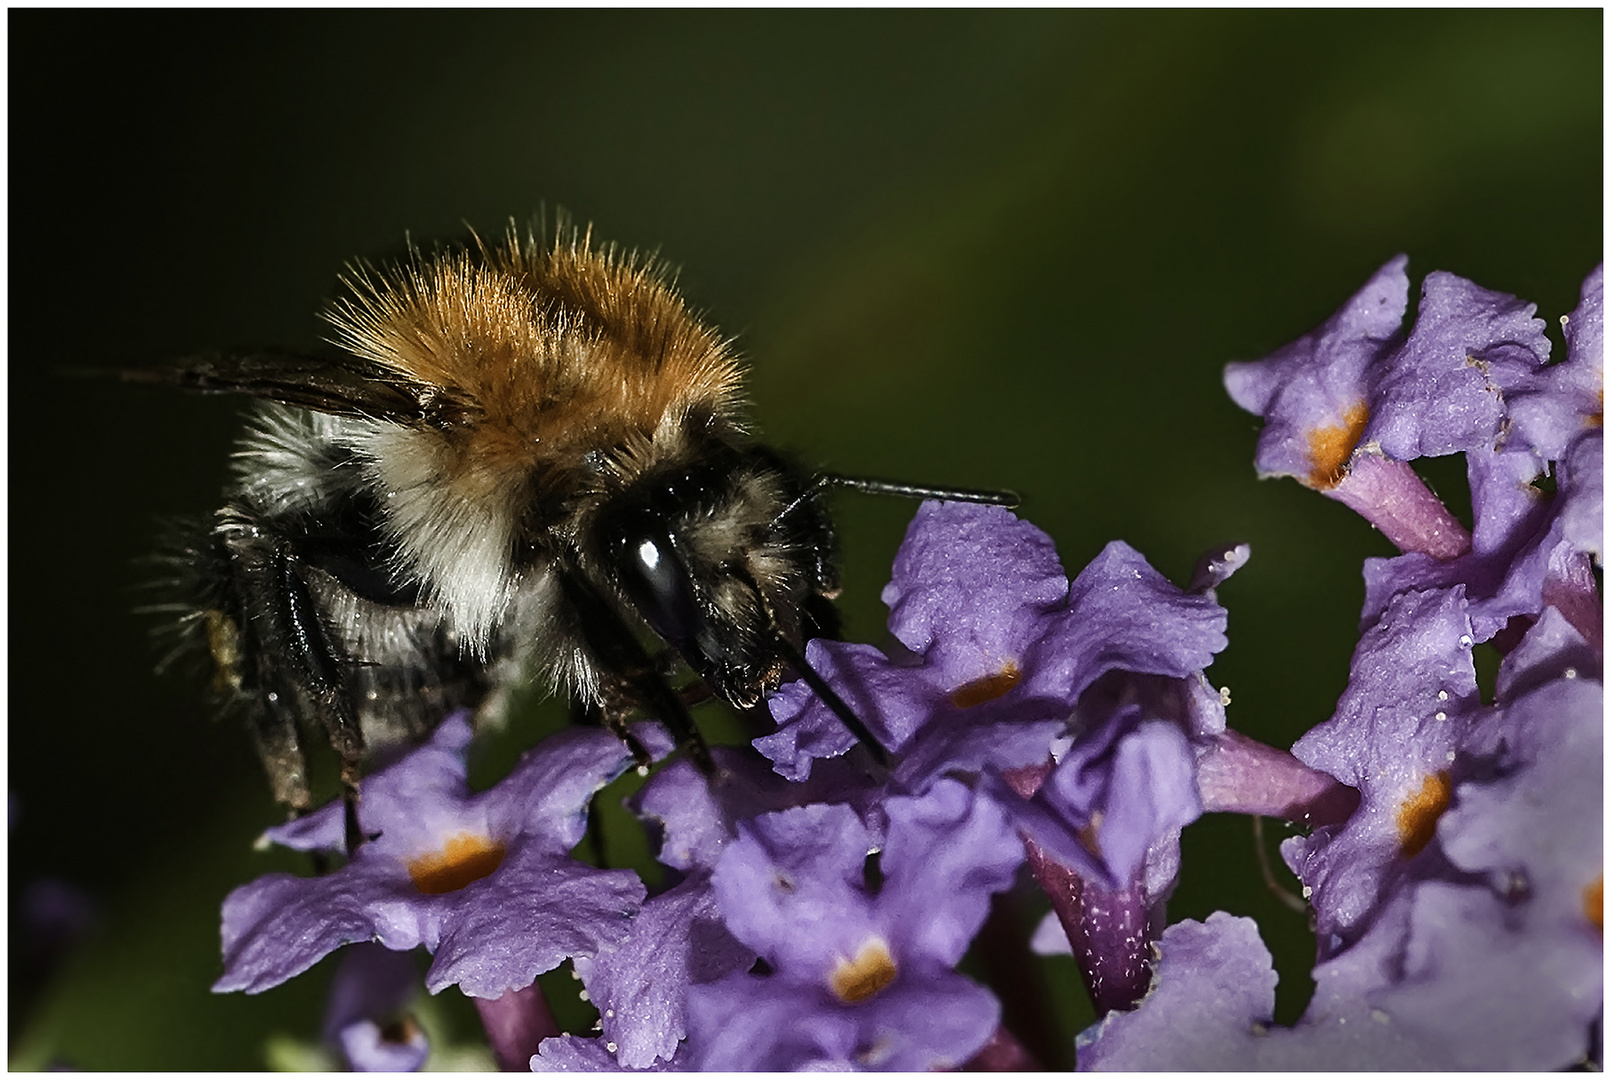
1458, 910
1058, 733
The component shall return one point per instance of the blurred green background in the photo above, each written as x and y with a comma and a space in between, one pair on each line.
984, 249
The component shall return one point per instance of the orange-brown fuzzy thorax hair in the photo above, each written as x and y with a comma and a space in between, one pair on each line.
555, 350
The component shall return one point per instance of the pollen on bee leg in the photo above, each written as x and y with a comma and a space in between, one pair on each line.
465, 857
987, 687
1419, 812
859, 978
1594, 902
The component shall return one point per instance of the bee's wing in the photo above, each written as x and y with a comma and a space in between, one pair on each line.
346, 386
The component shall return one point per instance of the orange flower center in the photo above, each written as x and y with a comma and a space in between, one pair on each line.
1418, 814
859, 979
1594, 902
987, 687
465, 857
1331, 447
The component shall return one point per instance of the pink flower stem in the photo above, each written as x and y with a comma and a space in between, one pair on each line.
1240, 775
516, 1023
1391, 497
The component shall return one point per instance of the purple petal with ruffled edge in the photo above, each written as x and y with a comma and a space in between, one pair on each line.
641, 985
1551, 409
572, 1053
535, 912
483, 880
1443, 391
1125, 616
971, 587
1321, 382
1410, 699
280, 925
791, 887
947, 853
1211, 1003
1213, 987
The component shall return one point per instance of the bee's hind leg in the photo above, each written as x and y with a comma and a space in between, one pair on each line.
296, 658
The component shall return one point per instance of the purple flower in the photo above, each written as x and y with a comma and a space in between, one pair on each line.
1001, 648
1314, 393
858, 968
1458, 905
1003, 659
1103, 829
678, 939
366, 1019
1346, 406
1126, 780
1357, 382
1410, 702
484, 881
1501, 969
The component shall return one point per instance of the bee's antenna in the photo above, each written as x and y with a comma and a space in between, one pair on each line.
870, 486
835, 703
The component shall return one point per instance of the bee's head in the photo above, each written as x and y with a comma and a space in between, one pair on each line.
705, 554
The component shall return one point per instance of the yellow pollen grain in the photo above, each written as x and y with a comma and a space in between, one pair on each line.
1090, 834
1331, 447
465, 857
1418, 814
859, 979
1594, 902
987, 687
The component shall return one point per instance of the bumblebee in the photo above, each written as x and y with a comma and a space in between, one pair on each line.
530, 458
